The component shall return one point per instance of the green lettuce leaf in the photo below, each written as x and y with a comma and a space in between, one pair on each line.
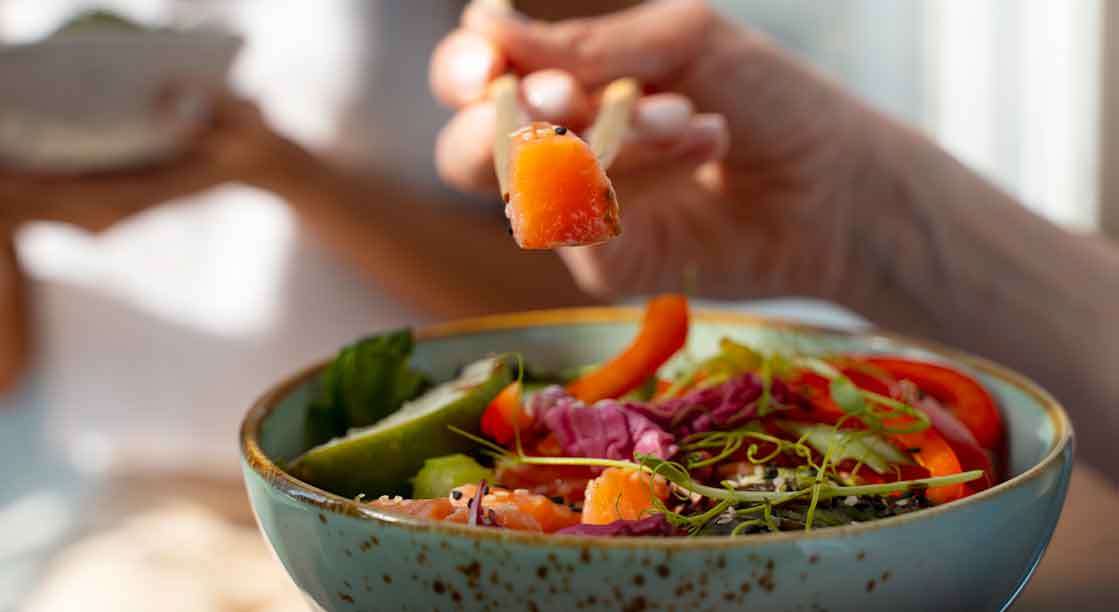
368, 380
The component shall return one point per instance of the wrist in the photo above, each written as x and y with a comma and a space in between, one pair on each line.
283, 167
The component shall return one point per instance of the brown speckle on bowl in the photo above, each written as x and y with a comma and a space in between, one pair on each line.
472, 571
494, 578
860, 556
745, 588
585, 555
885, 575
542, 572
663, 571
439, 587
346, 598
638, 580
813, 559
532, 607
765, 581
637, 604
348, 552
870, 584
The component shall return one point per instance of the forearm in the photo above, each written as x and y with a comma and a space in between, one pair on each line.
951, 257
444, 263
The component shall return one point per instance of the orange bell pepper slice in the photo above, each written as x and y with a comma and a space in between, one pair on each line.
664, 330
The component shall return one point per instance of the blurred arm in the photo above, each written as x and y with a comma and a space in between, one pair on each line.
445, 263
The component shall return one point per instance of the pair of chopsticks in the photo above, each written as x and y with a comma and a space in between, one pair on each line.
605, 135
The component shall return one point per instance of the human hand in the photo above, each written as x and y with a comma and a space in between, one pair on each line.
231, 142
742, 167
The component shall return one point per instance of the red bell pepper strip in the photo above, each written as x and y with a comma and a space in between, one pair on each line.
929, 448
664, 331
972, 456
958, 392
505, 416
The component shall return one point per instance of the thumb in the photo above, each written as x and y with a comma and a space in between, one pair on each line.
651, 42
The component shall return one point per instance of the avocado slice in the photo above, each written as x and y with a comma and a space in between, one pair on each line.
379, 459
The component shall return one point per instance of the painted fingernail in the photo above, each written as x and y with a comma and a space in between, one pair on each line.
550, 93
709, 123
662, 117
710, 128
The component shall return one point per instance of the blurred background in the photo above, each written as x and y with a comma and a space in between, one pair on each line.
152, 337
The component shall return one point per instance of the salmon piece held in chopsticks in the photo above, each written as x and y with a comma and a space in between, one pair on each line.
558, 194
554, 184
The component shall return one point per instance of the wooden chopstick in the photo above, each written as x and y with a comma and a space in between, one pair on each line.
503, 92
609, 128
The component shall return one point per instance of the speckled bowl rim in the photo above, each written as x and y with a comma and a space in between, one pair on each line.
318, 499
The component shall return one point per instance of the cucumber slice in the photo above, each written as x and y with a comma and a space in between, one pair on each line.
379, 459
864, 446
440, 475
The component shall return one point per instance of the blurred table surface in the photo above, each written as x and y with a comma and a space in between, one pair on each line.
46, 501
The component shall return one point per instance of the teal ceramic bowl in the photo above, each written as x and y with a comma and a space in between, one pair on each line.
974, 554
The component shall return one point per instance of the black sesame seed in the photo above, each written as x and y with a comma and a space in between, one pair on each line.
557, 499
914, 449
510, 231
456, 495
771, 472
560, 130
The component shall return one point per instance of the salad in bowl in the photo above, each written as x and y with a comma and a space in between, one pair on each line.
656, 458
735, 443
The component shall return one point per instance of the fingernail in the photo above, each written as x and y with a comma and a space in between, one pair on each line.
472, 61
662, 118
710, 128
709, 124
550, 93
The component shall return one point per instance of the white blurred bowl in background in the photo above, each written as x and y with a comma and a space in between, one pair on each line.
86, 102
